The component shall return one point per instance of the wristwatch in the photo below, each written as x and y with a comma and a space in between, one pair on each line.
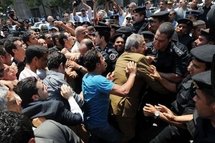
157, 114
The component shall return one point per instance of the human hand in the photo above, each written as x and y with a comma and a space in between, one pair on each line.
66, 91
154, 73
150, 59
131, 67
164, 109
110, 76
149, 110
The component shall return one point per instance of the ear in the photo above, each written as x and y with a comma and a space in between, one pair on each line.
14, 50
133, 49
35, 97
32, 140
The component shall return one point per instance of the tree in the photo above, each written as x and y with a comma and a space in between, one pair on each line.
4, 4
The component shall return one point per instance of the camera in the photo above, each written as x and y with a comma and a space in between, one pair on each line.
76, 2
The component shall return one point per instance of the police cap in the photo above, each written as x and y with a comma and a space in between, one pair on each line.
186, 21
210, 17
86, 23
101, 29
140, 9
203, 80
205, 33
148, 34
125, 30
193, 12
114, 16
115, 26
204, 53
198, 23
160, 14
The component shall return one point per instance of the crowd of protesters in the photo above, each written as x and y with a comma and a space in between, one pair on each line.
139, 74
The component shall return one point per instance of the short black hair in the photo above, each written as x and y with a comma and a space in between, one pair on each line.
61, 39
9, 44
26, 88
91, 58
167, 29
15, 128
55, 59
35, 51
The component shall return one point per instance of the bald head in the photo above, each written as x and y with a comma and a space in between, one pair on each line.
80, 33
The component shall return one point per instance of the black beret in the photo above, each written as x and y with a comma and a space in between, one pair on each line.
186, 21
203, 80
204, 53
140, 9
160, 14
193, 12
148, 34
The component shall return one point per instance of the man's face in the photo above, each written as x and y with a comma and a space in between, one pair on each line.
137, 17
160, 41
197, 31
119, 44
102, 64
201, 40
196, 67
162, 6
42, 90
181, 29
203, 108
33, 39
20, 50
97, 39
154, 24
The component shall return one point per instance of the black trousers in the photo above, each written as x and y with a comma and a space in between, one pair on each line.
172, 134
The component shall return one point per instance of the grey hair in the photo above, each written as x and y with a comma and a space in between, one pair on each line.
3, 98
134, 40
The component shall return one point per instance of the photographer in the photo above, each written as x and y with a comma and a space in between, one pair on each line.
86, 12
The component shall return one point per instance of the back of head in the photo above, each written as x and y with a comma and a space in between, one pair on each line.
91, 58
15, 128
26, 88
35, 51
167, 29
55, 59
133, 41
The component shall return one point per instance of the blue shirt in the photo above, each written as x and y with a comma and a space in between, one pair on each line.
96, 89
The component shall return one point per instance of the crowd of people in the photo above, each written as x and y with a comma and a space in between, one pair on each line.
111, 75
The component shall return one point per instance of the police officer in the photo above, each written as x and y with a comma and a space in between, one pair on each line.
157, 19
183, 30
184, 104
205, 103
139, 22
101, 41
